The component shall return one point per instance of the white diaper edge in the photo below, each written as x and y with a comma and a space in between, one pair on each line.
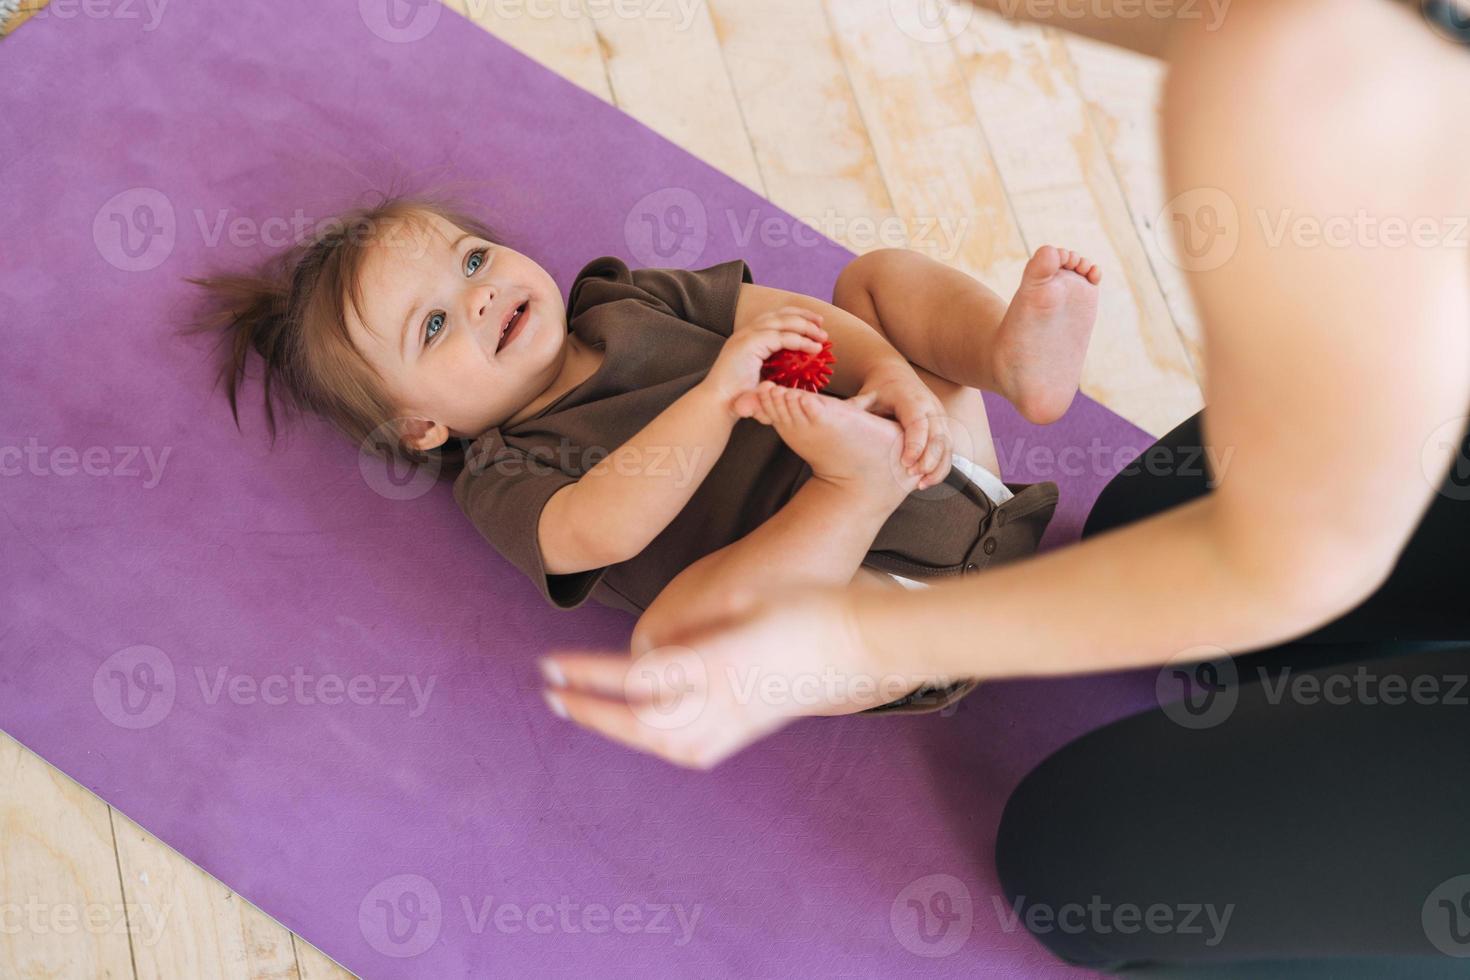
990, 484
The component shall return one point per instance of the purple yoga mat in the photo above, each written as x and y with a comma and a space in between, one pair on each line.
317, 682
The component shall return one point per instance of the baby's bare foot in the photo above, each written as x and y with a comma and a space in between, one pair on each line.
1043, 338
843, 444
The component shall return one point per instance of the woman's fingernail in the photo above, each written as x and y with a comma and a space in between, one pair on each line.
554, 703
551, 670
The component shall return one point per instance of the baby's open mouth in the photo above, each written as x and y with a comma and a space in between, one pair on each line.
511, 324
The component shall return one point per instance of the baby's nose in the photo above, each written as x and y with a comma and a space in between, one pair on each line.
487, 296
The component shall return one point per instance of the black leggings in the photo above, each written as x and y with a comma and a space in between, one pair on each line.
1300, 803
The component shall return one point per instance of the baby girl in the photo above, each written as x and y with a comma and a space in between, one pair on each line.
622, 445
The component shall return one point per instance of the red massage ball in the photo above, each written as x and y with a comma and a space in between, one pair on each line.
799, 368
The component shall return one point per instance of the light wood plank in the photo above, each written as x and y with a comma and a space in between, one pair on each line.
316, 965
208, 930
667, 72
933, 154
1122, 90
62, 909
1061, 184
809, 137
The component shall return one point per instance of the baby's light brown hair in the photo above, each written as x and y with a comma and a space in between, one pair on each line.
292, 312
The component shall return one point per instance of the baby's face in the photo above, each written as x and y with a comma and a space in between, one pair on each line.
465, 333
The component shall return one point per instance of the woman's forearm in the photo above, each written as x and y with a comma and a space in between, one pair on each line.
1096, 606
819, 537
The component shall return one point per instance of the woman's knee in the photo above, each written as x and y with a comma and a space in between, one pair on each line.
1174, 470
1047, 847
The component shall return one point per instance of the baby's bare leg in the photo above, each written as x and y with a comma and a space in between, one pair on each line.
822, 534
969, 423
819, 538
1029, 350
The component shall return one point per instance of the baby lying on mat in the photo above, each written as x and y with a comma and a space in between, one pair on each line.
622, 446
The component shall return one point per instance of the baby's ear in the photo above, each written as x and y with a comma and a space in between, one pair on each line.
421, 434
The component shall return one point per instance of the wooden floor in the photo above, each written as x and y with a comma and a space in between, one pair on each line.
879, 122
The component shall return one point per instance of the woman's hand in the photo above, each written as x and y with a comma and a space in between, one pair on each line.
893, 388
737, 368
708, 692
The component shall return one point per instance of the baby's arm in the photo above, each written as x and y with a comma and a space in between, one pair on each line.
620, 505
860, 349
820, 536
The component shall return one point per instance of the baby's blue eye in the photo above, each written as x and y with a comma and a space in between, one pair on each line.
478, 258
433, 325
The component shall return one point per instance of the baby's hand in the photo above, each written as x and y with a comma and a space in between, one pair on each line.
898, 392
737, 369
842, 443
